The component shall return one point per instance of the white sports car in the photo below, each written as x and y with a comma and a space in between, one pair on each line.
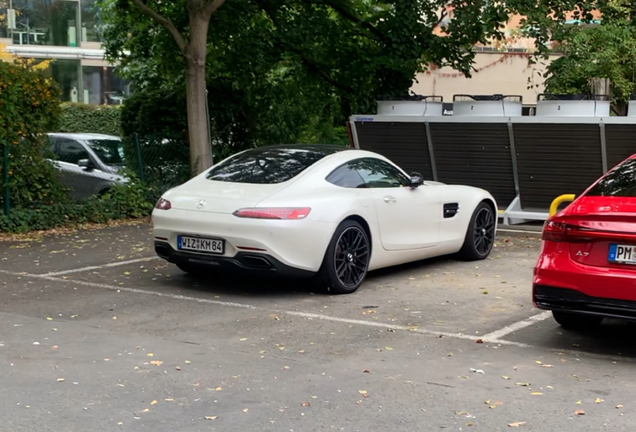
318, 210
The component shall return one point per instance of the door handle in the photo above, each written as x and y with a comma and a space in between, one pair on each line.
389, 199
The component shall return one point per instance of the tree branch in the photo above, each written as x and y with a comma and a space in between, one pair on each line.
178, 37
306, 60
212, 6
335, 5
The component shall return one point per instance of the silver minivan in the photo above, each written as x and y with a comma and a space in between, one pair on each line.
89, 164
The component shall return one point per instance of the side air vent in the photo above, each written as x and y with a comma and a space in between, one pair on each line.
450, 210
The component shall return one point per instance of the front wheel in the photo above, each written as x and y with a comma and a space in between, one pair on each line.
346, 260
480, 236
574, 321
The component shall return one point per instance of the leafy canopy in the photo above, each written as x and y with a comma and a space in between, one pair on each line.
282, 70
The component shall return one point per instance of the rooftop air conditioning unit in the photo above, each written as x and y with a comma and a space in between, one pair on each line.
573, 105
487, 105
417, 106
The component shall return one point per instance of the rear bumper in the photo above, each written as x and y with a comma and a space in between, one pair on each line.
255, 263
567, 300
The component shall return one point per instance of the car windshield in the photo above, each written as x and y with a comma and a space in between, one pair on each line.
269, 165
110, 151
620, 182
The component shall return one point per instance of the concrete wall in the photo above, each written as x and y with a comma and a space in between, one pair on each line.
497, 73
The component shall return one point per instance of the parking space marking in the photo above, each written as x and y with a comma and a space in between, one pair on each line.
307, 315
498, 334
102, 266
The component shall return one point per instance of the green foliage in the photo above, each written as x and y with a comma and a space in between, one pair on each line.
281, 71
590, 49
29, 107
133, 200
82, 118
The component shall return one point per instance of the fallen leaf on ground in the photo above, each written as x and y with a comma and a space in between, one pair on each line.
523, 384
49, 319
599, 400
578, 402
579, 412
218, 389
211, 417
243, 339
178, 368
619, 406
156, 362
61, 380
169, 400
187, 362
495, 404
120, 385
114, 317
154, 402
388, 348
363, 393
54, 347
366, 371
547, 366
536, 393
481, 341
285, 367
368, 311
150, 354
305, 404
516, 424
505, 377
245, 410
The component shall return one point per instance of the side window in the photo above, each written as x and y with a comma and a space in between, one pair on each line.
346, 176
377, 173
71, 152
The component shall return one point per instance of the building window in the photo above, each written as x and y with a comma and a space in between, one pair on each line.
90, 21
44, 22
4, 18
103, 87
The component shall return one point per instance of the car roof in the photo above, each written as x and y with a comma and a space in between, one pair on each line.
322, 149
83, 136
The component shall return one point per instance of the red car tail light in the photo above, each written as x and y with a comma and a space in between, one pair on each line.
273, 213
554, 231
163, 204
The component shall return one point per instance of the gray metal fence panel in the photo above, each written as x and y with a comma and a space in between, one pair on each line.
475, 154
403, 143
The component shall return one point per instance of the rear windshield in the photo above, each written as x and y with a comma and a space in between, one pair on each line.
620, 182
267, 165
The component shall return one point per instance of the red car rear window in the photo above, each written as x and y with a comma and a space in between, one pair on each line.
619, 182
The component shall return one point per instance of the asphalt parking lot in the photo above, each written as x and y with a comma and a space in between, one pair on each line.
98, 334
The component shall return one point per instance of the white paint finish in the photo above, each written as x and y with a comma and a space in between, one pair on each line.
497, 334
409, 228
102, 266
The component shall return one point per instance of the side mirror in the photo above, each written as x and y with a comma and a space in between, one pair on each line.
86, 164
416, 180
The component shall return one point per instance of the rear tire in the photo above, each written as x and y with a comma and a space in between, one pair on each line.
574, 321
480, 236
346, 260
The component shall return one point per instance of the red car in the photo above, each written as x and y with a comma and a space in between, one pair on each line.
587, 267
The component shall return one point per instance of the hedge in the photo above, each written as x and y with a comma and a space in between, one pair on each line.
103, 119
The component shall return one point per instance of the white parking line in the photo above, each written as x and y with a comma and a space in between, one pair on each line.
97, 267
497, 334
485, 339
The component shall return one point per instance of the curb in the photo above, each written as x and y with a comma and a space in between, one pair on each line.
513, 232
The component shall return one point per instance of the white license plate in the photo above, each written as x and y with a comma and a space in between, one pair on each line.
199, 244
624, 254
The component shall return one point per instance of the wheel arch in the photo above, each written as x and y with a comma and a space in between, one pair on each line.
366, 227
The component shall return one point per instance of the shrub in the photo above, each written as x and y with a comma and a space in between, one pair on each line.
29, 107
132, 200
102, 119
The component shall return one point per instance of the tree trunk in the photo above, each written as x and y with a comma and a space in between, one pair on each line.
198, 121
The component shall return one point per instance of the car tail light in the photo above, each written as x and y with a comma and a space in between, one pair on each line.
273, 213
554, 231
163, 204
